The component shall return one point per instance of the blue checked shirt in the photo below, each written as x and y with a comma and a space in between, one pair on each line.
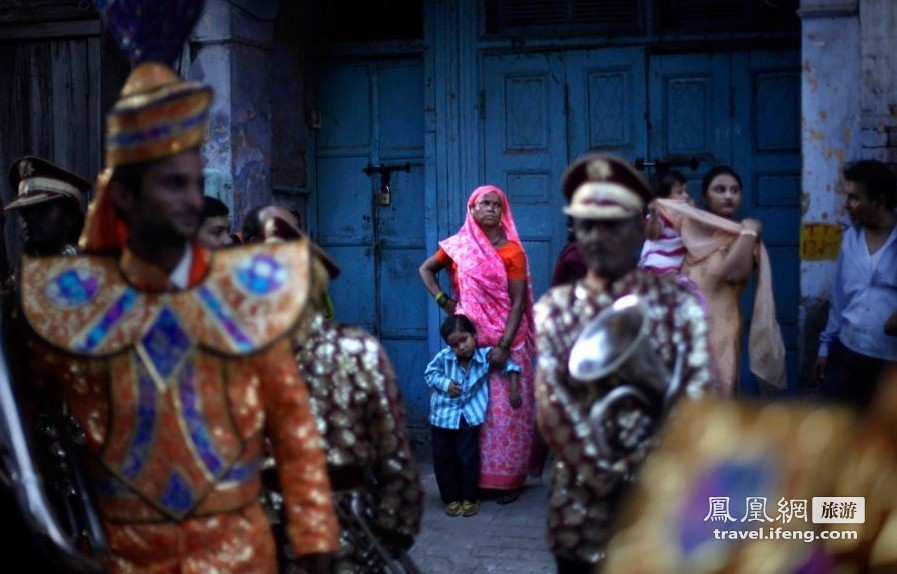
445, 412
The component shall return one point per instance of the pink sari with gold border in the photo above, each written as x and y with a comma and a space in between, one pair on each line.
506, 438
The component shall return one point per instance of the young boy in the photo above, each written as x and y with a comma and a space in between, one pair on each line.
458, 378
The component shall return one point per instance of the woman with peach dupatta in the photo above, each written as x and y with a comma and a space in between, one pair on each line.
723, 254
491, 285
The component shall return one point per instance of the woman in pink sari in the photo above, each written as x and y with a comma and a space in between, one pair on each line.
491, 285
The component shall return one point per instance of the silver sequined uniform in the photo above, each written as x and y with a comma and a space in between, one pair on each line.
584, 491
361, 417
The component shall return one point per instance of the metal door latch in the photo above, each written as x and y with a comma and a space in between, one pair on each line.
385, 171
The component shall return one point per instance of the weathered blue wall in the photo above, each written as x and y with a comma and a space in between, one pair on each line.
231, 51
830, 103
849, 108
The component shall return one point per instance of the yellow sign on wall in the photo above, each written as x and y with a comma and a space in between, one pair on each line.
820, 241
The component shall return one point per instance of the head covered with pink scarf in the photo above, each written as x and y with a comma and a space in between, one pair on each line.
482, 278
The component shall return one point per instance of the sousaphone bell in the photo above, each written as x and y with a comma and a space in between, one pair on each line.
616, 344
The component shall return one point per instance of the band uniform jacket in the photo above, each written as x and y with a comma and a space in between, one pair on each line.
362, 419
585, 488
175, 391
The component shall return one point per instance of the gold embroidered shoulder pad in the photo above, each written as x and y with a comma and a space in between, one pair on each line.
252, 296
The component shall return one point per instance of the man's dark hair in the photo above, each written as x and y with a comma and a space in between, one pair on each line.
878, 180
213, 207
454, 323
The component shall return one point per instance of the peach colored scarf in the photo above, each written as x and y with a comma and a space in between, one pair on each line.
704, 233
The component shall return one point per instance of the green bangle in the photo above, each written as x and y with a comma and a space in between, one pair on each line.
441, 298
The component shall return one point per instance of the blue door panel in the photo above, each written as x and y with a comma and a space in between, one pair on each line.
402, 298
689, 110
403, 327
608, 101
344, 207
409, 359
401, 223
400, 94
541, 250
525, 150
372, 115
352, 292
343, 98
767, 154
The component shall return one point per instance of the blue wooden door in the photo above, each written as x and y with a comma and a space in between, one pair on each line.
541, 110
766, 150
372, 116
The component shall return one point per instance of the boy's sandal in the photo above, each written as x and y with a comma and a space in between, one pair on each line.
453, 509
469, 508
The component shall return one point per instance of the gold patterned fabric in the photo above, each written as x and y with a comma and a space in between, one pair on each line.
732, 486
361, 416
586, 488
157, 115
175, 392
251, 296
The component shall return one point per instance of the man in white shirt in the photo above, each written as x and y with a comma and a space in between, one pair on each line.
854, 347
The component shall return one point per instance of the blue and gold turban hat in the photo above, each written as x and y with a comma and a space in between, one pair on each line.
158, 114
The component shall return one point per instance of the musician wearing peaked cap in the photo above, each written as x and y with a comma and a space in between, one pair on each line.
601, 422
175, 360
37, 181
49, 202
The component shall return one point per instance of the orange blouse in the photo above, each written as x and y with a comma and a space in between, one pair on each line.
511, 253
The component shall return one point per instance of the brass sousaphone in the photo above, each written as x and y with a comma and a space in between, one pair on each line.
616, 343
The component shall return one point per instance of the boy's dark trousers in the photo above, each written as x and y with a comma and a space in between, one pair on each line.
456, 461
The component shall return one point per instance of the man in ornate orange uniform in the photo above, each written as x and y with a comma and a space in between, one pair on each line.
176, 361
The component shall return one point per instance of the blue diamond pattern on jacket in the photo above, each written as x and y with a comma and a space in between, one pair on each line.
177, 497
261, 274
145, 426
165, 343
72, 288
